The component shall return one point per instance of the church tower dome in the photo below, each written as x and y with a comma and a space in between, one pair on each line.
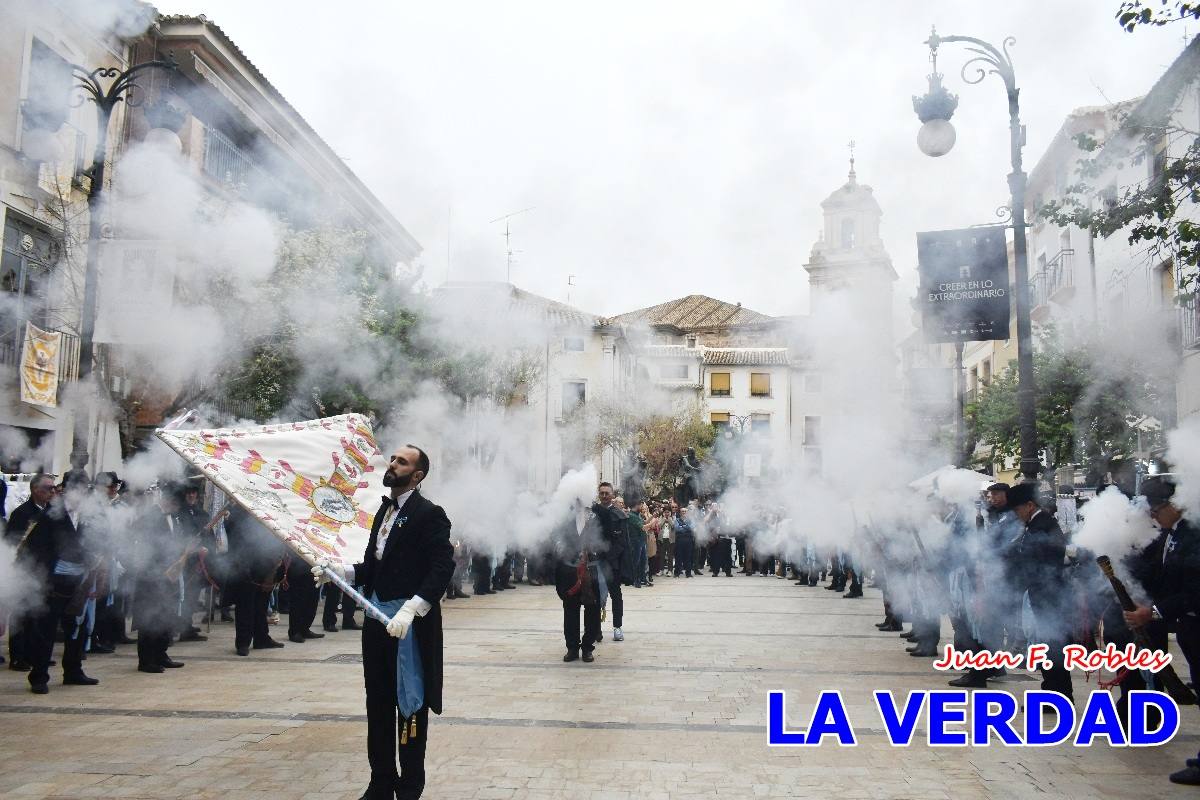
849, 255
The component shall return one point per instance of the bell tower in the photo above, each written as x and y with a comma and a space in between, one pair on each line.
849, 255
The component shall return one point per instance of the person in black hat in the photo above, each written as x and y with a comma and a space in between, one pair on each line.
1038, 555
1169, 570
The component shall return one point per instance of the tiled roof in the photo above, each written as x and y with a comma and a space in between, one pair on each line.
747, 357
694, 312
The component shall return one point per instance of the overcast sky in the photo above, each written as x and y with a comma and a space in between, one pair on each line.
671, 148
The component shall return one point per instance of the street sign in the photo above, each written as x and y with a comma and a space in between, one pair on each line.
964, 284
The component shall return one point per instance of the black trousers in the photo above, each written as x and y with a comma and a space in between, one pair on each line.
684, 555
303, 597
720, 557
503, 574
591, 625
383, 748
39, 636
110, 620
18, 651
152, 644
481, 570
611, 577
329, 615
249, 612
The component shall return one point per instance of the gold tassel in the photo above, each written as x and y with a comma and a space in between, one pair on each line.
412, 732
403, 732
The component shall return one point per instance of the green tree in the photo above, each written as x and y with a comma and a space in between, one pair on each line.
1087, 397
1135, 13
663, 441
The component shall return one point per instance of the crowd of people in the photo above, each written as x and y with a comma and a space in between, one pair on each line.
102, 563
1005, 576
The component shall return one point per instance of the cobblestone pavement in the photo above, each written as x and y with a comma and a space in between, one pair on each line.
676, 710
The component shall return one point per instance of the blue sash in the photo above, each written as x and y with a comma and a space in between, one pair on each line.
410, 677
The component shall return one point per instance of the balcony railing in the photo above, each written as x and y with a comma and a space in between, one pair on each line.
12, 343
225, 162
1055, 281
1189, 323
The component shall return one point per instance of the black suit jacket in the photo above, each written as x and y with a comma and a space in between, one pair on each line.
418, 559
52, 537
1038, 555
20, 520
1171, 577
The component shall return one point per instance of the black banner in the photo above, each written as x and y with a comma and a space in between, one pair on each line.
964, 284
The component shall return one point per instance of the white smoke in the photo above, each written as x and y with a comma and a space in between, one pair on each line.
1115, 526
1183, 452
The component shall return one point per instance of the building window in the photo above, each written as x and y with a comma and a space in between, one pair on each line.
691, 341
760, 384
719, 420
718, 384
812, 431
847, 234
48, 99
30, 254
760, 424
674, 372
574, 394
812, 460
812, 382
573, 344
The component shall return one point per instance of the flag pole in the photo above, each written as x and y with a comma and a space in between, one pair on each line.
367, 606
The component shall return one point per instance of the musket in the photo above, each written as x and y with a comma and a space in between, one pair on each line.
1171, 683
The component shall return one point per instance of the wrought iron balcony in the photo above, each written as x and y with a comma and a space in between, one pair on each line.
1055, 282
1189, 323
13, 342
225, 162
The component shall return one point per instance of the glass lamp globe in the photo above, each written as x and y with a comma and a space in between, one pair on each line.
936, 137
164, 139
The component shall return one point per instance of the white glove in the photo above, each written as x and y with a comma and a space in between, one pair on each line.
403, 620
324, 563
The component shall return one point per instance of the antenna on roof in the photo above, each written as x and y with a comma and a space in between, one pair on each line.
508, 251
570, 283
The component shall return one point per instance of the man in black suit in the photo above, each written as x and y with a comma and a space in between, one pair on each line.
41, 491
616, 542
576, 579
160, 544
254, 556
1169, 569
408, 564
1038, 556
55, 550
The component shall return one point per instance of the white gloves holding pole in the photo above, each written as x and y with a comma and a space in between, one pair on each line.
415, 606
344, 570
398, 625
403, 620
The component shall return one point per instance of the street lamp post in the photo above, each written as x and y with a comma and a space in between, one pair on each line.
120, 82
936, 138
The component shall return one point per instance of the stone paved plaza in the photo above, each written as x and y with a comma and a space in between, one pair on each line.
676, 710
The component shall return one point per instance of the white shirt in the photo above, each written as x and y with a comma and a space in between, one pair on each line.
385, 529
421, 605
